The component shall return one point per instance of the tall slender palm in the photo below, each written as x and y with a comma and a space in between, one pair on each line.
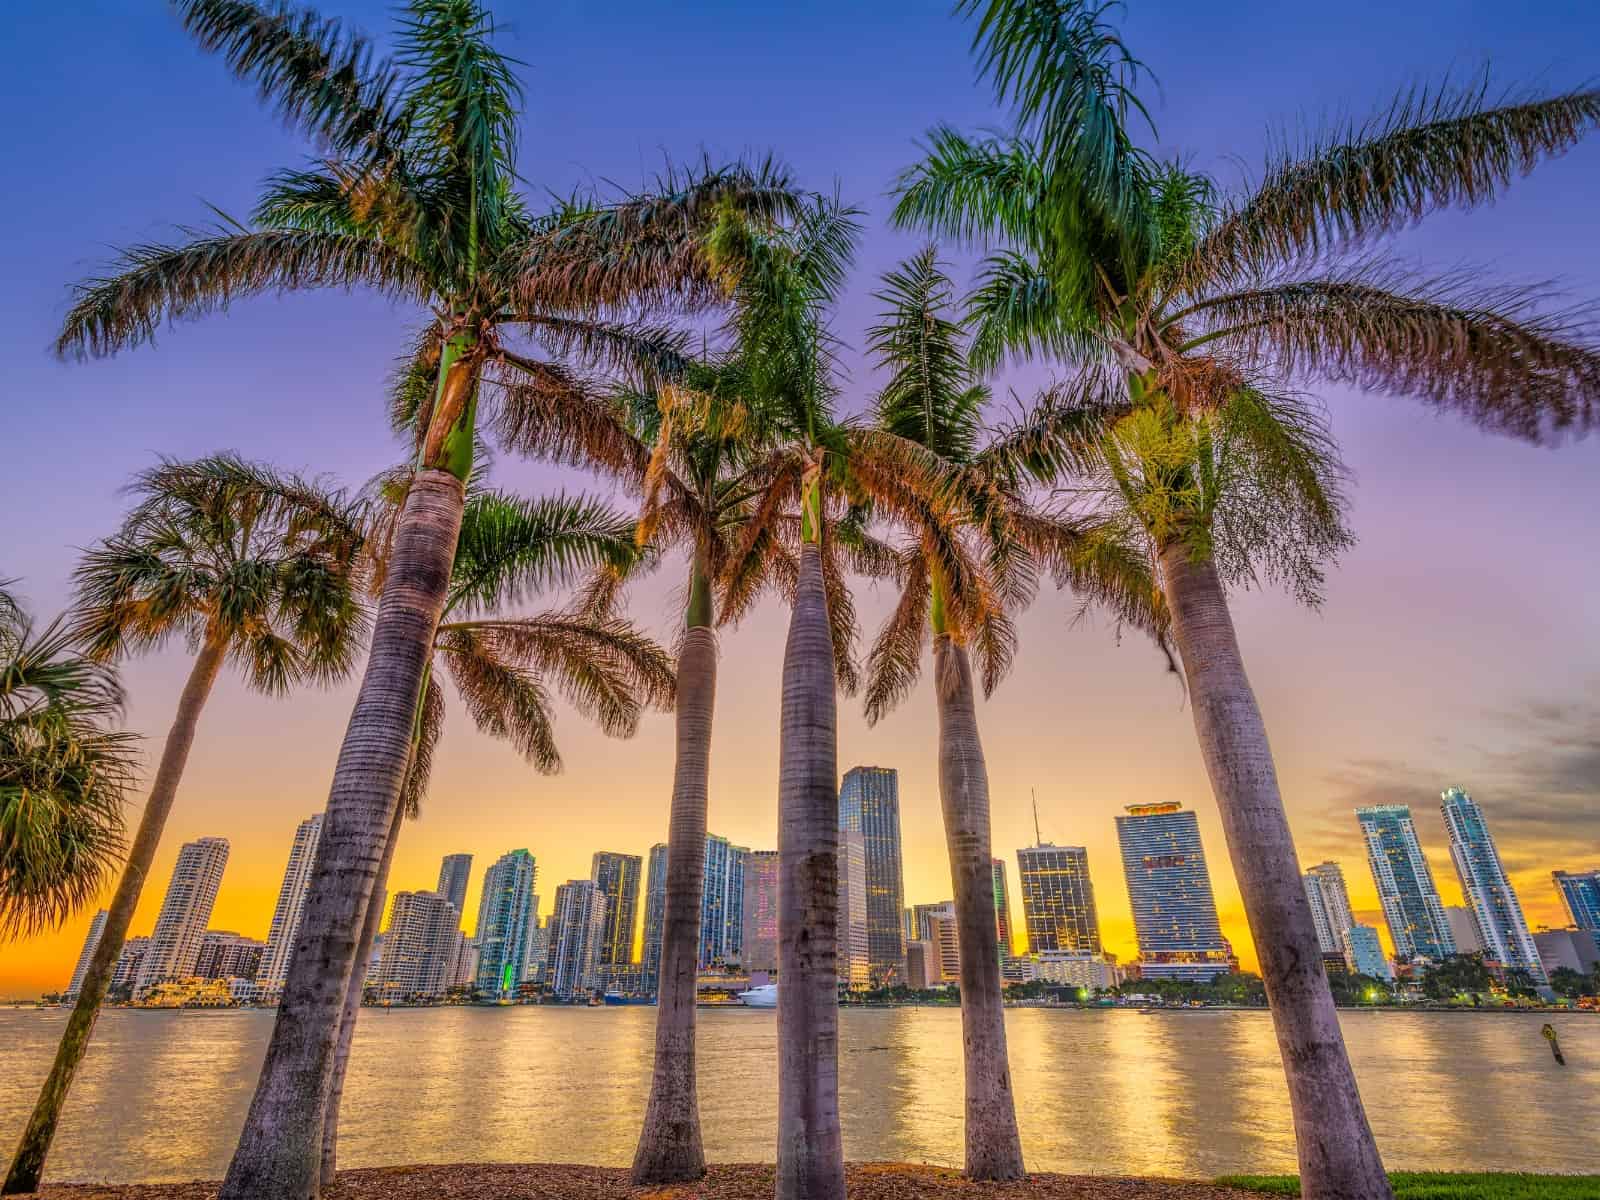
414, 198
1186, 314
247, 566
64, 772
504, 665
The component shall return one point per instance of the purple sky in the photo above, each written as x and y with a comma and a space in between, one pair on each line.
1455, 647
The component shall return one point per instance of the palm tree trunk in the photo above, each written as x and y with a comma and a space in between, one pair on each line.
1338, 1157
28, 1165
670, 1149
279, 1155
352, 1003
994, 1149
810, 1149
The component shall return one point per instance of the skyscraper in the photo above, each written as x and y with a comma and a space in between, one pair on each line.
1330, 908
577, 937
761, 911
1502, 928
291, 906
175, 943
722, 902
1411, 906
1169, 887
1002, 909
454, 872
128, 964
655, 915
855, 967
1366, 953
869, 804
419, 947
228, 955
91, 943
1058, 899
1581, 892
617, 877
1463, 929
504, 912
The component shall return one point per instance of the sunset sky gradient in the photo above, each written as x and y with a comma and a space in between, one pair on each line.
1456, 645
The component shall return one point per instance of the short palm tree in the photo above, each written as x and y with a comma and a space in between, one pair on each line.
414, 197
1184, 314
64, 772
248, 567
504, 666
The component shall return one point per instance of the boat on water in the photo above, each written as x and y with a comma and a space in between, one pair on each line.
765, 996
620, 998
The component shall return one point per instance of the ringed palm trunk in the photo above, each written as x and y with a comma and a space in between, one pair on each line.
810, 1149
1338, 1156
994, 1149
280, 1150
28, 1165
670, 1148
353, 996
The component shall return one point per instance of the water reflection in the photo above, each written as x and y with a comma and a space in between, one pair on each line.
162, 1095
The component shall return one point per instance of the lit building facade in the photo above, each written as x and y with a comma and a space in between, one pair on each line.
655, 915
185, 911
854, 963
761, 911
228, 955
869, 804
454, 872
1330, 907
1169, 888
1411, 905
936, 925
290, 908
1002, 908
1502, 928
91, 943
1580, 892
617, 877
1058, 899
577, 938
722, 903
506, 912
128, 964
419, 947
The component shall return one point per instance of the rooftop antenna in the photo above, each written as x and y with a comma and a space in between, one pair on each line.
1037, 840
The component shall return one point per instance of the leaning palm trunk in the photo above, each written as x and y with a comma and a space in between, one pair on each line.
353, 996
28, 1165
1338, 1157
994, 1150
670, 1148
810, 1149
280, 1150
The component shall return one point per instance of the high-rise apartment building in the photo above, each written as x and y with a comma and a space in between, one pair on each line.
761, 911
1463, 929
722, 903
128, 964
91, 943
854, 963
655, 915
1002, 908
923, 969
1502, 928
454, 873
1058, 899
419, 947
617, 877
1411, 905
505, 912
185, 911
936, 925
1169, 887
869, 804
1366, 953
290, 908
1580, 891
1330, 907
228, 955
577, 938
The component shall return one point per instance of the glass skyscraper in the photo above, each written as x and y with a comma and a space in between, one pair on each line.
722, 902
1169, 887
1058, 899
869, 804
507, 913
1581, 892
1411, 906
1002, 908
1502, 928
760, 949
617, 877
453, 874
577, 938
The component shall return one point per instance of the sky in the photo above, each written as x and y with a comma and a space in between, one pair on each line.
1454, 647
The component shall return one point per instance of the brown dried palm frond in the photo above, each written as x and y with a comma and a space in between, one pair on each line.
748, 567
638, 350
1100, 565
503, 701
413, 385
546, 411
425, 739
1058, 433
841, 616
894, 663
1431, 149
157, 283
1498, 356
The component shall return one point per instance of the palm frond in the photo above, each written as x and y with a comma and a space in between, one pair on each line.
504, 701
895, 662
424, 741
970, 190
1017, 312
1058, 434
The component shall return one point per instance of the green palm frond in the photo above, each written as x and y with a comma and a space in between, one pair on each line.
157, 283
1059, 433
970, 190
1432, 148
1016, 312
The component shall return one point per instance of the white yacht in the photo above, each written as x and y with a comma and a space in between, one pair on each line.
765, 996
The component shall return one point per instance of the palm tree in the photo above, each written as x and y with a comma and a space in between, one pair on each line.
413, 198
503, 666
63, 772
247, 566
1184, 314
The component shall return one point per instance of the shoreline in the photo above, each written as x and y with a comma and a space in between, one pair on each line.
1143, 1010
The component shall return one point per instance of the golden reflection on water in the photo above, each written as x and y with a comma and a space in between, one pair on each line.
162, 1095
